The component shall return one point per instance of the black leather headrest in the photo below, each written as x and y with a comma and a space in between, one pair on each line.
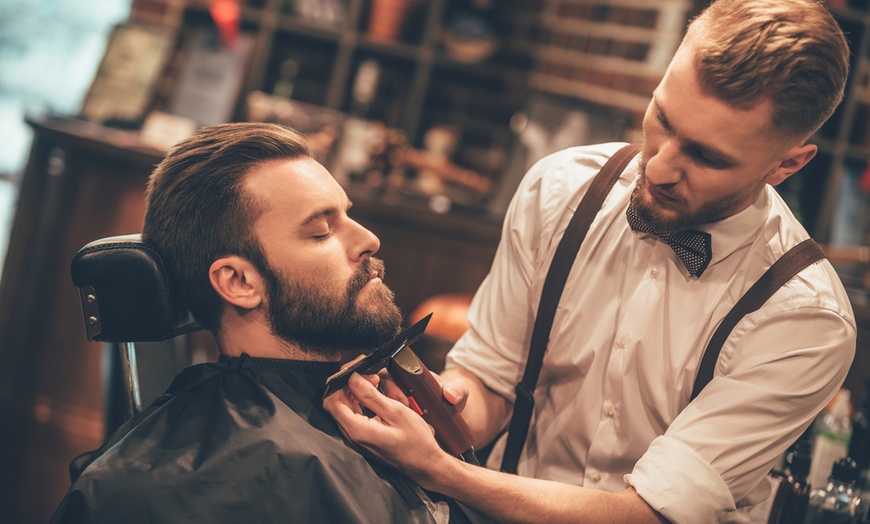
126, 292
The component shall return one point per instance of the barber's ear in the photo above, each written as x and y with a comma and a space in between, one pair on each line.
797, 158
237, 281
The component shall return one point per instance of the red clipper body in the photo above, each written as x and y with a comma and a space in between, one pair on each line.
425, 397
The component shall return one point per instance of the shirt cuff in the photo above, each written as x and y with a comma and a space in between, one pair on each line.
675, 481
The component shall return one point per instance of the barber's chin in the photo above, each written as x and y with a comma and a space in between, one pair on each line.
657, 214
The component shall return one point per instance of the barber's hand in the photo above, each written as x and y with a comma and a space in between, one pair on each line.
454, 390
397, 435
389, 387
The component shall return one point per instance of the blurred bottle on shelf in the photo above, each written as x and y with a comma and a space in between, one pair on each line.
386, 19
288, 71
365, 87
793, 494
833, 429
838, 501
359, 136
859, 443
859, 451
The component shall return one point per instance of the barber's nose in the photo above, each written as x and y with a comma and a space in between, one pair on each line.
365, 243
665, 167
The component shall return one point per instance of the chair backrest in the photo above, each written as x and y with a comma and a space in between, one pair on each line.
126, 293
128, 296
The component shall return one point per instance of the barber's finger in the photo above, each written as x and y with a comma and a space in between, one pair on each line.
342, 405
369, 396
374, 380
391, 389
360, 428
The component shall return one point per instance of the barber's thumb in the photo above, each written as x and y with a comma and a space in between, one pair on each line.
454, 392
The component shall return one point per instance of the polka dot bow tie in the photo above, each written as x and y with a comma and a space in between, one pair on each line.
691, 246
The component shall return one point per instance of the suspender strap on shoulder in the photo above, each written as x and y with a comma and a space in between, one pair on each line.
783, 270
563, 259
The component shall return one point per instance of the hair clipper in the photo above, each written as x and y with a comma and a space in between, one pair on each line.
425, 397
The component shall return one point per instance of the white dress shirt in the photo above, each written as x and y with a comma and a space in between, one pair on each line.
612, 402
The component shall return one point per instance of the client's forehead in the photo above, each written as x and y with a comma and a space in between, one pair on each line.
294, 189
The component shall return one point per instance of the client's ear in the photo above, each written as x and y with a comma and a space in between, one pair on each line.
237, 281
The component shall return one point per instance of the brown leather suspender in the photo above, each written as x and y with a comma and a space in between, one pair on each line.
566, 252
783, 270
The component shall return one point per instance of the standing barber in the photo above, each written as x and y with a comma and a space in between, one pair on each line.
614, 435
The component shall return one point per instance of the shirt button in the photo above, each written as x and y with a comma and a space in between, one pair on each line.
611, 412
622, 343
654, 272
596, 477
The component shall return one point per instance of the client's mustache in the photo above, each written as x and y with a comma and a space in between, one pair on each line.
362, 277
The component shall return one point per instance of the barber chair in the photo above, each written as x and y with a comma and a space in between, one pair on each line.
127, 297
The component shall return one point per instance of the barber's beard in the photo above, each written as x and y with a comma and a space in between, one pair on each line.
668, 221
333, 324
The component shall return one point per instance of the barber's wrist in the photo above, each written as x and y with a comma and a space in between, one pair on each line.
440, 473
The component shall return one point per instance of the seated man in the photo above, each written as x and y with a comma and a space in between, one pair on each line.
257, 236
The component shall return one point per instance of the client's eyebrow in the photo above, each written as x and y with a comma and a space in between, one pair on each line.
322, 213
318, 215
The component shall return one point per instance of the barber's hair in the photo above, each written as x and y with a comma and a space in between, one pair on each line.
197, 210
791, 52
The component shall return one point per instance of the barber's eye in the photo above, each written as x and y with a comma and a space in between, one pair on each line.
660, 118
700, 157
323, 237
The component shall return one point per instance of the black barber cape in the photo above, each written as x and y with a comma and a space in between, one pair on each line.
241, 440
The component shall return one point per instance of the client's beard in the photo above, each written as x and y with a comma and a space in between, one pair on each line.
332, 325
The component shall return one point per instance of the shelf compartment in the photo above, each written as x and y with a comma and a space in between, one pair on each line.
313, 58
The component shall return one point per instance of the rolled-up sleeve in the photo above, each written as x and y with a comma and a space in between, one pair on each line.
671, 471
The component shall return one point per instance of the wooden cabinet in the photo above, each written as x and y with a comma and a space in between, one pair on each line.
75, 189
85, 182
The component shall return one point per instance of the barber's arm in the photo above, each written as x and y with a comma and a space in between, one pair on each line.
778, 369
401, 438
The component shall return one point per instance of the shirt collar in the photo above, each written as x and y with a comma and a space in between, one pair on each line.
737, 230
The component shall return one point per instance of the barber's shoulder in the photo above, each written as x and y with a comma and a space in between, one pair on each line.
555, 183
587, 157
576, 166
562, 176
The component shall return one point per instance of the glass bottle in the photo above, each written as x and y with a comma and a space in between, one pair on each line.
836, 502
792, 496
833, 429
859, 451
859, 442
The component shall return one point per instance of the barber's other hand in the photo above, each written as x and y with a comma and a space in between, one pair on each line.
455, 391
397, 435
